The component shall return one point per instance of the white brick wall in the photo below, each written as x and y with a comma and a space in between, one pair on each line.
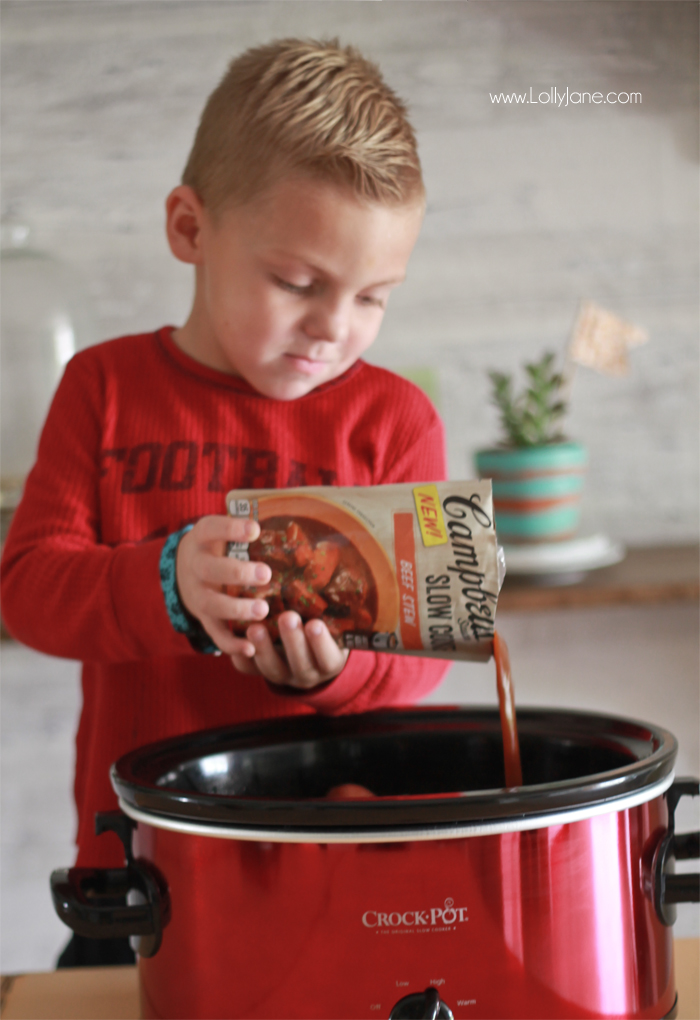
530, 207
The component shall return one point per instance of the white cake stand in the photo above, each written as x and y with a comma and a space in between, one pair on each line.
562, 562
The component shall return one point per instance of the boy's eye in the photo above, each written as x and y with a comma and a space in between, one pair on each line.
368, 299
293, 288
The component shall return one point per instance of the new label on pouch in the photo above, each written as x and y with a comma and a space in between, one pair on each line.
430, 519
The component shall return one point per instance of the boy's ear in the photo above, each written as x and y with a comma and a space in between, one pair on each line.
184, 215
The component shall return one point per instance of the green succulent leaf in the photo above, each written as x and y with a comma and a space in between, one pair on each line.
529, 418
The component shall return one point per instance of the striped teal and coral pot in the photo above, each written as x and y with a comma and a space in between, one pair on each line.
536, 490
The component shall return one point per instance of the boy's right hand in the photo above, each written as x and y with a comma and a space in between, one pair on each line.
202, 569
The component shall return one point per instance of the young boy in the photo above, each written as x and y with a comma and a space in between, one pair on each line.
299, 207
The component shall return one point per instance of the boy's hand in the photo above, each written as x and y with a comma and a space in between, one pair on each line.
312, 655
203, 567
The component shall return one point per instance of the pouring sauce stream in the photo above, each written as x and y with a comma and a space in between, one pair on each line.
509, 729
506, 704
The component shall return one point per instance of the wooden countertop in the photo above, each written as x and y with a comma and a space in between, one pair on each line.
83, 993
111, 993
650, 574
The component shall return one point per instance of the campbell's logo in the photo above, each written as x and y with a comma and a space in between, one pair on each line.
435, 917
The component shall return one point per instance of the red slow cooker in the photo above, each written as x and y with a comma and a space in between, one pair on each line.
252, 895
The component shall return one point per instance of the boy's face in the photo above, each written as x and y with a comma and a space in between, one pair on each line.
292, 288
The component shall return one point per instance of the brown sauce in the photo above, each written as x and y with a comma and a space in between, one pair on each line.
509, 729
349, 791
506, 704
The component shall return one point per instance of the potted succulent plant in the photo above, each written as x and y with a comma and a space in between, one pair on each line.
537, 473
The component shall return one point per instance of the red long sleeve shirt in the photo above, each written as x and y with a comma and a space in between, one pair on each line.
141, 440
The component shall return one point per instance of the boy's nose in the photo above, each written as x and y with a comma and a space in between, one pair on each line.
330, 322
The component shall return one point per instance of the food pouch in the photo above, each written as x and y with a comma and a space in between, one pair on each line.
411, 569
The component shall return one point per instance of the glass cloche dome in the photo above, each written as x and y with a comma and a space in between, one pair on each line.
45, 318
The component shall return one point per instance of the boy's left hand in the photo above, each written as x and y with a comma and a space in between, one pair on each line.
313, 657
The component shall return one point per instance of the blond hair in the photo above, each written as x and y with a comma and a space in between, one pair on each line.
303, 107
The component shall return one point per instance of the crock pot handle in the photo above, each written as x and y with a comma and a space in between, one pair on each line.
118, 823
668, 888
101, 903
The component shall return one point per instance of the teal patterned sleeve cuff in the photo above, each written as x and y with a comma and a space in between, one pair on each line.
181, 619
